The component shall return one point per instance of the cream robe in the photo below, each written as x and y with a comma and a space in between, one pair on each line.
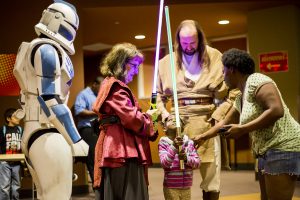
198, 118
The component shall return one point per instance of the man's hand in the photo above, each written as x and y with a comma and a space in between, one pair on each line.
155, 126
155, 114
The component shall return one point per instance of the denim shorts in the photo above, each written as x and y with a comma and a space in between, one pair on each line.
276, 162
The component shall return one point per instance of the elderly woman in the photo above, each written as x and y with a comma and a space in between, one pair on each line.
261, 111
122, 152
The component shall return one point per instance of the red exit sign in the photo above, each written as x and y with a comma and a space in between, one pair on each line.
273, 62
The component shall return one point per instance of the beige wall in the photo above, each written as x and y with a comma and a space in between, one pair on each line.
278, 29
17, 28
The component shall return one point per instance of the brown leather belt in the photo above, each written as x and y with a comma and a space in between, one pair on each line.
195, 101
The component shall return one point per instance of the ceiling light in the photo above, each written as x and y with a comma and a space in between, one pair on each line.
139, 37
223, 22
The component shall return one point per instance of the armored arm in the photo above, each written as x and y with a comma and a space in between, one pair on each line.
47, 62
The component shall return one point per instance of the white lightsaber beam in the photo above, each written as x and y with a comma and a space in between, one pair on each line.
157, 45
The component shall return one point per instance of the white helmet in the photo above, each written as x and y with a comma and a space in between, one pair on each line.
60, 23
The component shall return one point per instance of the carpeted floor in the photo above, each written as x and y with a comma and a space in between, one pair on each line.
246, 197
235, 185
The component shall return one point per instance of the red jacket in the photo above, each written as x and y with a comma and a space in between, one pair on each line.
126, 139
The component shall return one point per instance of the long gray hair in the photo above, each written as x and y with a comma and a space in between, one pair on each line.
114, 62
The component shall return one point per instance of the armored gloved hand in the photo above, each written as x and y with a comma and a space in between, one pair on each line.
19, 114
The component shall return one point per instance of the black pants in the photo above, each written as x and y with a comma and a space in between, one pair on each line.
89, 136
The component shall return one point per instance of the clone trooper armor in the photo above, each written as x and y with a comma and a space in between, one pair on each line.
44, 72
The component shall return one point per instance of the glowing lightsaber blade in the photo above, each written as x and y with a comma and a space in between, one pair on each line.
173, 72
154, 94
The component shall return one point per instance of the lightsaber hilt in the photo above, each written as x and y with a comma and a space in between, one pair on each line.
181, 162
153, 101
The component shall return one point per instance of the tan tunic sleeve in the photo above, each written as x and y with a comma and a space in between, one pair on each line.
219, 86
224, 108
163, 80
